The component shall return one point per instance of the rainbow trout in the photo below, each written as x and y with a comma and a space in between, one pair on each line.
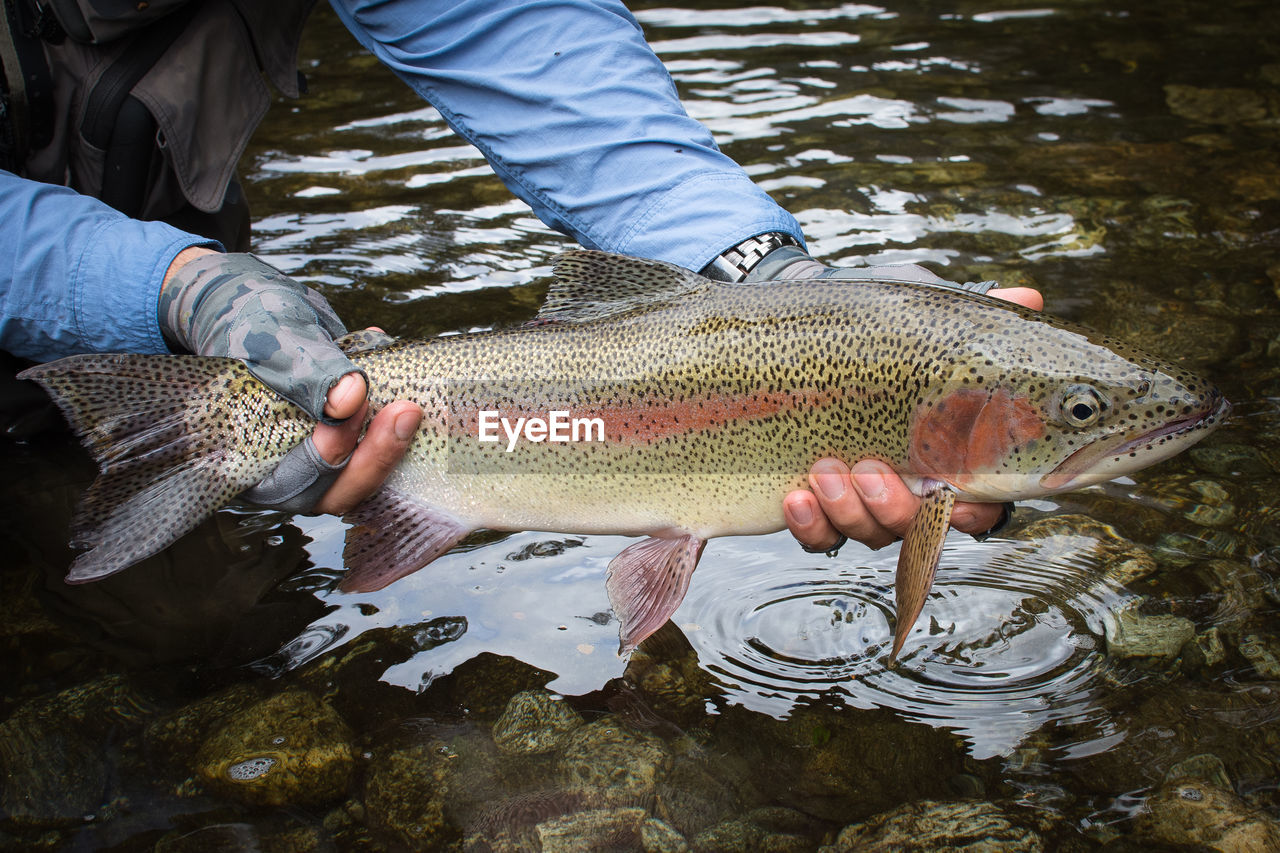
649, 401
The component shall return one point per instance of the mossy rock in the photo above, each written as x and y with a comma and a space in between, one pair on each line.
534, 722
289, 749
406, 791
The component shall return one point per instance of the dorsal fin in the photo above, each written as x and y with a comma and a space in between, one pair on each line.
592, 285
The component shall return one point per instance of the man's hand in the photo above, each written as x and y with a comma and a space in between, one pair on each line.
234, 305
868, 503
372, 459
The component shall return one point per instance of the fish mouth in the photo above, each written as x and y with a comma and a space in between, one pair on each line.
1084, 460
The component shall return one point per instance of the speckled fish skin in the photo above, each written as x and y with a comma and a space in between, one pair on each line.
715, 400
727, 395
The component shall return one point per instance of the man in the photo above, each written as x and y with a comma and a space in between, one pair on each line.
577, 116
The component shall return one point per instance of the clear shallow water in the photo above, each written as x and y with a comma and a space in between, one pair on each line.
1011, 639
1121, 159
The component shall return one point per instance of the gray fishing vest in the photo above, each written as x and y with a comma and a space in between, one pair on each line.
146, 105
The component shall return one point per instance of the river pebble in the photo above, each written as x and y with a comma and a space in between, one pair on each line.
1131, 634
535, 722
1215, 106
658, 836
595, 829
926, 826
54, 773
405, 793
620, 765
1263, 652
1190, 811
289, 749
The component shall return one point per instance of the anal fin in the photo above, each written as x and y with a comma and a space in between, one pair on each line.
647, 582
393, 535
918, 561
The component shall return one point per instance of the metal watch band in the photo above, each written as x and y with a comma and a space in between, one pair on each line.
734, 264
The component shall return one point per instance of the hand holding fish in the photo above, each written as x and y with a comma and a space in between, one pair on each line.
373, 458
870, 503
234, 305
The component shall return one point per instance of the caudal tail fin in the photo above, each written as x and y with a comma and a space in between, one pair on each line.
156, 426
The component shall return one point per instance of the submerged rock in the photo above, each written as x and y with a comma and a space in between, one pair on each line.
1192, 811
1264, 653
691, 798
510, 824
274, 835
406, 791
1205, 503
535, 722
176, 737
774, 829
597, 829
485, 683
733, 836
51, 777
1182, 719
1204, 652
289, 749
838, 767
658, 836
1121, 559
1131, 634
1205, 766
53, 768
926, 826
1215, 106
676, 689
612, 761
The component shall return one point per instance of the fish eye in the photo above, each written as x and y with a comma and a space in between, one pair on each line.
1082, 406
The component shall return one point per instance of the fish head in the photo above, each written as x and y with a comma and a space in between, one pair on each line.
1031, 409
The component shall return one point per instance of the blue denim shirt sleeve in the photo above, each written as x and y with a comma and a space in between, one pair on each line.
578, 117
77, 276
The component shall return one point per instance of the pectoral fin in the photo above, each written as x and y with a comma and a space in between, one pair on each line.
647, 582
393, 535
921, 550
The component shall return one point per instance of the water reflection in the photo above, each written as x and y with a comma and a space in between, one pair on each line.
539, 598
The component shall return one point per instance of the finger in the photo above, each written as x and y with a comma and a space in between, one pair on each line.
807, 522
1024, 296
845, 506
335, 442
976, 519
885, 498
384, 445
345, 397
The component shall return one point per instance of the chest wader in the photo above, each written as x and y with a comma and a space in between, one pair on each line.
146, 106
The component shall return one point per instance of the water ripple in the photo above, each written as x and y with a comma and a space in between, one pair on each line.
1009, 640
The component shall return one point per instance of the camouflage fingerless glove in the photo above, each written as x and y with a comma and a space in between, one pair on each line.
238, 306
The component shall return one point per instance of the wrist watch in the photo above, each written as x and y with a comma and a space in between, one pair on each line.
733, 264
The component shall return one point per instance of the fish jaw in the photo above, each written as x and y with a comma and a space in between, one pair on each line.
1121, 453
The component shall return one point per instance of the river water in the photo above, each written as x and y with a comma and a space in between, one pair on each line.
1102, 673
